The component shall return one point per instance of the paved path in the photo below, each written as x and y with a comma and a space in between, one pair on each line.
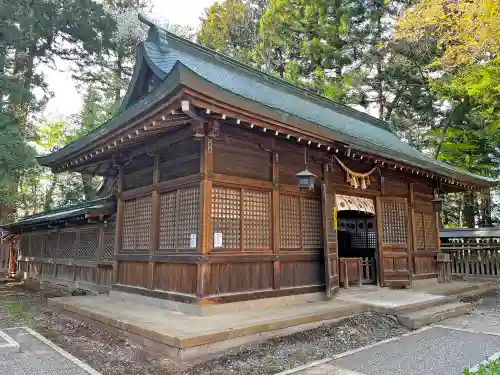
442, 349
34, 355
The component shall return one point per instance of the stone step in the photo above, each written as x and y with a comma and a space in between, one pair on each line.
418, 319
423, 305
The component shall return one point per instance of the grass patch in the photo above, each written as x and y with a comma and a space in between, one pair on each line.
16, 309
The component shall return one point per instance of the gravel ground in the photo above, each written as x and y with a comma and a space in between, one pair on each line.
110, 354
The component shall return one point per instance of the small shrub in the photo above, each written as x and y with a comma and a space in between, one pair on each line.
491, 368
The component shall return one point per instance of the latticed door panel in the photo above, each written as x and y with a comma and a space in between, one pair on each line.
129, 225
67, 245
311, 223
50, 245
226, 216
88, 244
256, 220
108, 244
430, 231
24, 244
167, 220
188, 216
289, 226
143, 224
394, 222
419, 231
330, 247
36, 245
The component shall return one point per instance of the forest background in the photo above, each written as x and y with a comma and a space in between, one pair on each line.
429, 67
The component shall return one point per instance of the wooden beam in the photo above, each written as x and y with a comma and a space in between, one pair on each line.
275, 222
204, 243
190, 111
118, 226
155, 221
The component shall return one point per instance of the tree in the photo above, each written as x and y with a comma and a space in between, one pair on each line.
232, 28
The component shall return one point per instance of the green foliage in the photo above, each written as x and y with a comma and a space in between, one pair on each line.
491, 368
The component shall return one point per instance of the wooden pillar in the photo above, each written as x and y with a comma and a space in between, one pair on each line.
204, 242
155, 221
412, 247
276, 223
119, 225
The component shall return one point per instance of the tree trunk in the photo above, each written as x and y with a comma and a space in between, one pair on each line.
446, 125
49, 199
88, 190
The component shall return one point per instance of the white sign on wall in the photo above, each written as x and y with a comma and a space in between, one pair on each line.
192, 240
217, 239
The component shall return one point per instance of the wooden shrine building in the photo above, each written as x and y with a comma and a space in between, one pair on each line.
207, 151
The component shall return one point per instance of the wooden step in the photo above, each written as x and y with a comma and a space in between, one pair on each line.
418, 319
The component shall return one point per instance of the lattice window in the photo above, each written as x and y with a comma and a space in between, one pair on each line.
137, 225
256, 220
226, 216
419, 231
36, 245
108, 244
67, 245
88, 242
167, 220
430, 231
289, 222
129, 224
188, 216
394, 228
311, 223
50, 245
24, 244
143, 224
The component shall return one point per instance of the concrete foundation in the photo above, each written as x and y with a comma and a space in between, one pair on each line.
191, 332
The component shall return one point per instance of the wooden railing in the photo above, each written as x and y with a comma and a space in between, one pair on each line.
472, 257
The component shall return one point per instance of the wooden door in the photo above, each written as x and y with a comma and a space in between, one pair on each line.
330, 243
393, 240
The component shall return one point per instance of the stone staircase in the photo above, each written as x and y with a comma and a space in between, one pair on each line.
440, 310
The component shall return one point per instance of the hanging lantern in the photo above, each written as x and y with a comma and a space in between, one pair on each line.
305, 179
437, 202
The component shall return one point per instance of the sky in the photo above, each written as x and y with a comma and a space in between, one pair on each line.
67, 100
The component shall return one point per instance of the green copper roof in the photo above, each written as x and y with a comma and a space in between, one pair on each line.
105, 207
166, 54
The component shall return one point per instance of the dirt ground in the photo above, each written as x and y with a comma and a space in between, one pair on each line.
110, 354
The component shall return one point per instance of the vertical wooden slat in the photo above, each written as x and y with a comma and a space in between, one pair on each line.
100, 247
438, 229
119, 225
204, 247
276, 223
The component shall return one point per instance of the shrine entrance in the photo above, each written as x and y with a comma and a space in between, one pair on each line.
357, 240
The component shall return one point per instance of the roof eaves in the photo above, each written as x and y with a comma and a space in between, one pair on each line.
141, 106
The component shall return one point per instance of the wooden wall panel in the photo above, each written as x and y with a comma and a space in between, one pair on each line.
85, 274
105, 276
240, 277
138, 173
175, 277
180, 159
242, 159
301, 273
395, 187
64, 272
133, 273
424, 265
292, 163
